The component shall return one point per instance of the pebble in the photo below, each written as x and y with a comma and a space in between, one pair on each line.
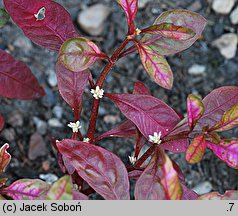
202, 188
52, 79
197, 69
41, 126
227, 45
58, 111
234, 16
15, 119
54, 122
23, 43
49, 178
9, 134
111, 119
142, 3
223, 6
92, 19
37, 147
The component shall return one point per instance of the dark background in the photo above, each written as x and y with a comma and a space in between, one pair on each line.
29, 123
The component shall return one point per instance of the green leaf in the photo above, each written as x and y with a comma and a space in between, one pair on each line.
156, 66
228, 121
169, 30
4, 17
196, 150
61, 190
78, 54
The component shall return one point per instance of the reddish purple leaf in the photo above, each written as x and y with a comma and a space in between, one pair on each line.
140, 88
178, 17
229, 120
130, 7
179, 171
159, 181
5, 158
135, 174
101, 169
156, 66
78, 54
148, 113
27, 189
3, 182
195, 109
217, 103
79, 196
196, 150
45, 22
72, 85
168, 30
176, 146
227, 151
126, 129
16, 79
2, 122
188, 194
229, 195
140, 142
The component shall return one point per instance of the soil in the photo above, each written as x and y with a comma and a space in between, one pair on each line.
21, 116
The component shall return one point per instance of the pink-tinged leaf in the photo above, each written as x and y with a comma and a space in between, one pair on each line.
179, 171
45, 22
229, 195
126, 129
156, 66
101, 169
170, 181
195, 109
168, 30
3, 182
61, 190
159, 181
140, 88
79, 196
16, 79
217, 103
148, 113
130, 7
228, 121
227, 151
78, 54
196, 150
2, 122
27, 189
5, 158
178, 17
72, 85
135, 174
188, 194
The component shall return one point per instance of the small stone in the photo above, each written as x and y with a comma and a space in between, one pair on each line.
54, 122
234, 16
197, 69
15, 119
41, 126
227, 44
46, 165
52, 79
49, 178
111, 119
23, 43
37, 147
8, 134
223, 6
142, 3
195, 6
58, 111
92, 19
202, 188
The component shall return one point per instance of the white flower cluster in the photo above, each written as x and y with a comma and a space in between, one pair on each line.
97, 93
75, 126
156, 138
132, 159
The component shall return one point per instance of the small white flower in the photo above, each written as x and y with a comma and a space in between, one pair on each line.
156, 138
132, 159
97, 93
86, 140
138, 31
75, 126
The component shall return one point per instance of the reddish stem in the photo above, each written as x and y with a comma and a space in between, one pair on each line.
100, 81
